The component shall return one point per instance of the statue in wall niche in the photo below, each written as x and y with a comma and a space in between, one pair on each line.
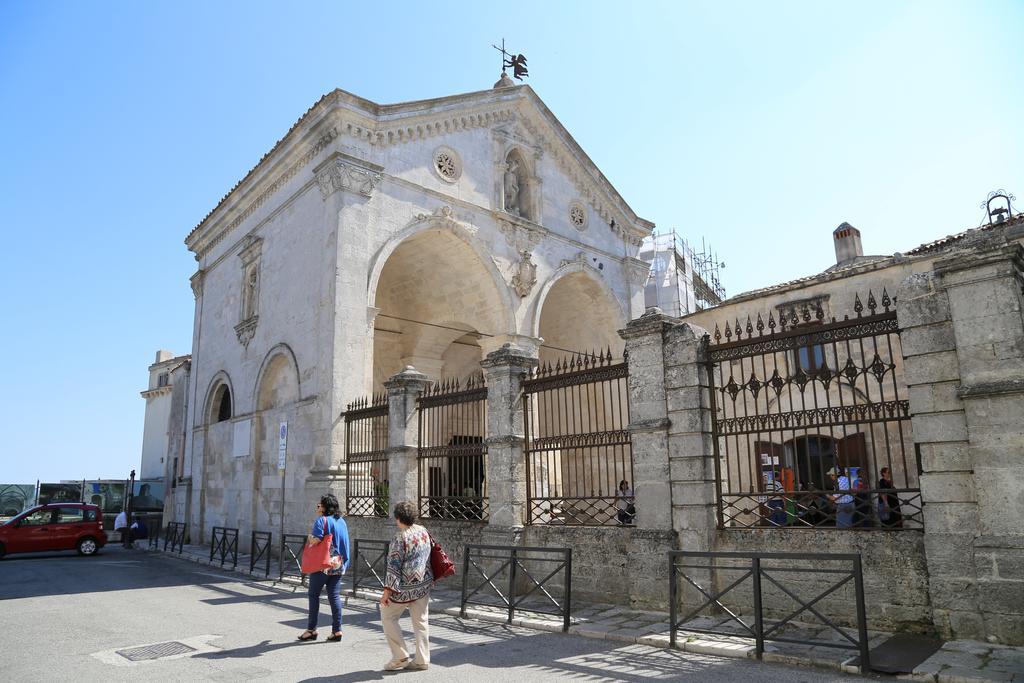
512, 187
249, 305
525, 276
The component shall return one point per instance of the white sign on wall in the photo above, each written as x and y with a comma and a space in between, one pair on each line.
282, 445
240, 441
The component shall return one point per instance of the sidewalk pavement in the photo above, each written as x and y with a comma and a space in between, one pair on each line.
959, 661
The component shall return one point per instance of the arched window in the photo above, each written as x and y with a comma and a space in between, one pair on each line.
223, 403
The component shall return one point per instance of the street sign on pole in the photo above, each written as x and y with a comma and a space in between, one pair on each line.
282, 445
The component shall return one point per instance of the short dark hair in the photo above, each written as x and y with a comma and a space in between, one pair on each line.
330, 505
405, 512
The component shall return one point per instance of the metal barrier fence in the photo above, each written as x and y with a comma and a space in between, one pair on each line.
578, 447
259, 550
154, 538
291, 555
373, 555
452, 459
224, 544
175, 536
492, 561
766, 569
366, 463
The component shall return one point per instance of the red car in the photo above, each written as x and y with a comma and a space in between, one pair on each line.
58, 526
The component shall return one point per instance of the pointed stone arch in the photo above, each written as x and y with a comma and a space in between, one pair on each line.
278, 382
219, 390
573, 285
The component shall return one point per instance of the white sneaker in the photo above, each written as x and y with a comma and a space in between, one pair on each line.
396, 664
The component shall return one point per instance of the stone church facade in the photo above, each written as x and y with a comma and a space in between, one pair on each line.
372, 238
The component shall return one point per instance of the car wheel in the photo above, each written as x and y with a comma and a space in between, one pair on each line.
88, 546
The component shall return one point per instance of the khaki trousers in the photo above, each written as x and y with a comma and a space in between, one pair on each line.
419, 614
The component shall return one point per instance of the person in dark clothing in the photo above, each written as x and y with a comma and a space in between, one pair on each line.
888, 501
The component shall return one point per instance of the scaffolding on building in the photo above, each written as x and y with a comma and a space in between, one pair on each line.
682, 280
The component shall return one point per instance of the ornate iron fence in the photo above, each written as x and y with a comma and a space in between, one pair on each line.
452, 458
578, 447
224, 544
810, 421
366, 466
259, 551
783, 576
516, 569
369, 563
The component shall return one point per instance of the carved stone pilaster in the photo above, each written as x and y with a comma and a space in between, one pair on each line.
344, 172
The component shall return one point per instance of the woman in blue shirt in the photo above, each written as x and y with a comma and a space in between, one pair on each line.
328, 521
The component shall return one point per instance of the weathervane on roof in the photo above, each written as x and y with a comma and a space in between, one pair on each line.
510, 61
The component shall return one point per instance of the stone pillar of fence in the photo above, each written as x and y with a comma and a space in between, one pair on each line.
504, 370
403, 436
648, 419
966, 371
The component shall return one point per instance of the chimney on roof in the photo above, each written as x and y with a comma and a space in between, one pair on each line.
163, 355
847, 241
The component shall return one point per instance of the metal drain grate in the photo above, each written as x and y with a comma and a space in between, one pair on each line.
141, 654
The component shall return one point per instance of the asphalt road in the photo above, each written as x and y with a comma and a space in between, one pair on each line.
63, 618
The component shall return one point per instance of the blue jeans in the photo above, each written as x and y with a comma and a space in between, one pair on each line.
844, 515
317, 581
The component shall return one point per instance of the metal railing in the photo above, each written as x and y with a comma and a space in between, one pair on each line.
811, 420
292, 546
224, 544
154, 538
175, 536
259, 550
578, 447
452, 457
756, 572
493, 562
366, 462
371, 555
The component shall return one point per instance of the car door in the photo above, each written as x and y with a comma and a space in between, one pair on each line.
66, 528
33, 532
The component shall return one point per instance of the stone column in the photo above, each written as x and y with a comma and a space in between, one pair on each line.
932, 373
986, 306
504, 371
648, 419
691, 445
403, 435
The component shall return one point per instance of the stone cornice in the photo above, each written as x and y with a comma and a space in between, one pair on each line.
343, 114
989, 389
156, 391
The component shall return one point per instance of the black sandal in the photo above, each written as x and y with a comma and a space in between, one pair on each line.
308, 635
334, 638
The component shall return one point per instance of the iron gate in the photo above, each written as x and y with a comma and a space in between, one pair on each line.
578, 447
452, 457
366, 464
810, 421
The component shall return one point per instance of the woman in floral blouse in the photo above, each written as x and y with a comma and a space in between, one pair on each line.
407, 585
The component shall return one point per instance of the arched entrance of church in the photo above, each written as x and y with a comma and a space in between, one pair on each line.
438, 306
578, 314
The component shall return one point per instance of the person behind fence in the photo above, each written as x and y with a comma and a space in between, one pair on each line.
139, 531
407, 586
775, 500
328, 521
842, 499
625, 502
888, 502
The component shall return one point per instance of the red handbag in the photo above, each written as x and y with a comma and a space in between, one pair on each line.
316, 558
440, 565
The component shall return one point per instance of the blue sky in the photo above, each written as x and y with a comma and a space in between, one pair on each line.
759, 126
